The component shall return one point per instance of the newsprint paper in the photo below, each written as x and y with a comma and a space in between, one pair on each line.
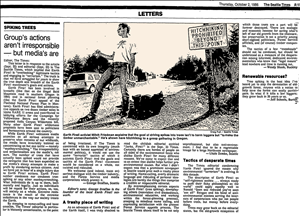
142, 108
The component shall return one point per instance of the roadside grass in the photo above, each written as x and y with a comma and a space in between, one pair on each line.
190, 106
185, 110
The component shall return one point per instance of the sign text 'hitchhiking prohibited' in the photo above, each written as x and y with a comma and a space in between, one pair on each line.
208, 37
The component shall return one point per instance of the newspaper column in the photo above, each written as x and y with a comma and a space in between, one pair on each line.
208, 37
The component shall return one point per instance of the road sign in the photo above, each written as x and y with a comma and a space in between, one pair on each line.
208, 36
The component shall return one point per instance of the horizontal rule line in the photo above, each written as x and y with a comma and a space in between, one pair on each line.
142, 7
44, 23
30, 31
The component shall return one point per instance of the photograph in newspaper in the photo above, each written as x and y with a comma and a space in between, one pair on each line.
154, 76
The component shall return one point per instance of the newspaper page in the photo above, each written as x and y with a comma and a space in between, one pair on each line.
120, 108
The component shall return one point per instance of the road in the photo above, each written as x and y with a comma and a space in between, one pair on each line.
77, 106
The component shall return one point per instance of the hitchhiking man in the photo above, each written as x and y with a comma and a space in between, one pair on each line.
123, 64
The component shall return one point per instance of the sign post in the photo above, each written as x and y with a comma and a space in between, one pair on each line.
208, 37
211, 81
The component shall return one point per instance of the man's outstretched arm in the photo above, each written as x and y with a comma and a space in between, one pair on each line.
108, 57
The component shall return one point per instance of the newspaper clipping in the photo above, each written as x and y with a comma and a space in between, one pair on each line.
167, 108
